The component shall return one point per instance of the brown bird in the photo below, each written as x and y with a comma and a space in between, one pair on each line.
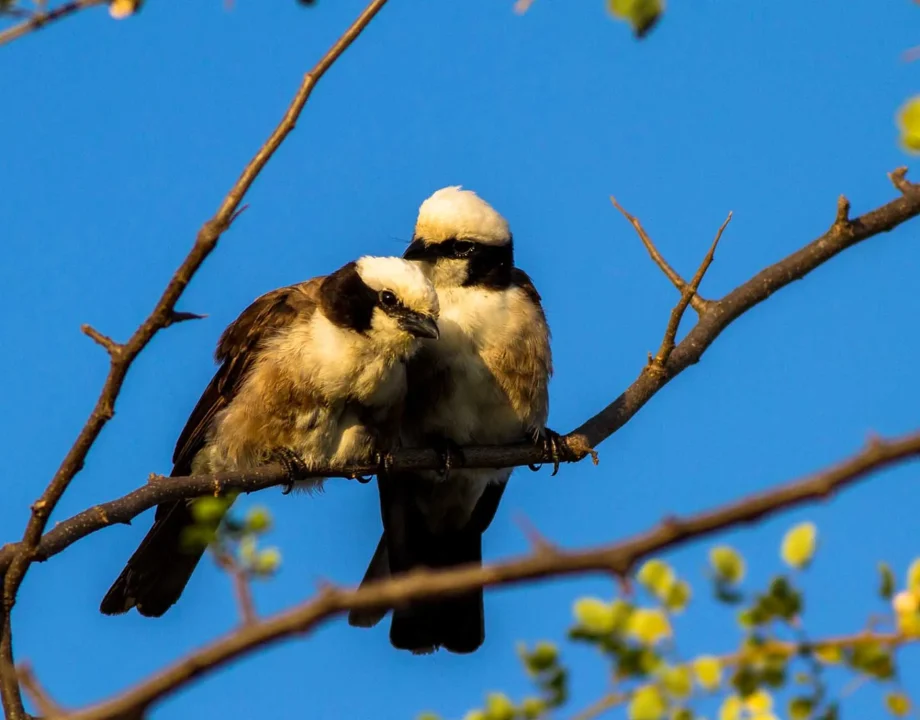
310, 375
484, 383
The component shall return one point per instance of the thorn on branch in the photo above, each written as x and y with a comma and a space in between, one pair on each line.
174, 317
842, 220
111, 347
670, 333
696, 302
536, 539
239, 211
899, 179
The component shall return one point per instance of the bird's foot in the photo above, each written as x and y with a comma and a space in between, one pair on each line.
384, 463
449, 452
293, 465
553, 445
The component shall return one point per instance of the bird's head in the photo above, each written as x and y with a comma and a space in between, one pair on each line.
387, 299
460, 239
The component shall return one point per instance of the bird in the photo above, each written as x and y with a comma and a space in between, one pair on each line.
310, 375
485, 382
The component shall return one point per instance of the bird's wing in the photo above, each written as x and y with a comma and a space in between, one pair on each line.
236, 350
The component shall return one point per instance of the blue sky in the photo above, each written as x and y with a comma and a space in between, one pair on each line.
122, 137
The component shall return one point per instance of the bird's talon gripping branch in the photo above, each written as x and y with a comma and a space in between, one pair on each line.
293, 465
449, 452
553, 445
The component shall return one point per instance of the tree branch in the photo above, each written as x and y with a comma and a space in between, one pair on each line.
39, 20
716, 316
122, 356
545, 562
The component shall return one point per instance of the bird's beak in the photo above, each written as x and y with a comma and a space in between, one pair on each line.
423, 326
418, 250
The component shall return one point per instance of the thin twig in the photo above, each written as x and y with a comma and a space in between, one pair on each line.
163, 315
686, 296
618, 559
41, 19
111, 347
241, 587
696, 302
577, 444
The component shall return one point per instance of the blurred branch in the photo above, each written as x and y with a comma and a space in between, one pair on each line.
123, 355
40, 19
546, 561
714, 317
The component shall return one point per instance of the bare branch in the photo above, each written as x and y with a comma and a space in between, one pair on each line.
40, 19
241, 587
617, 559
577, 443
162, 316
43, 701
696, 302
111, 347
686, 296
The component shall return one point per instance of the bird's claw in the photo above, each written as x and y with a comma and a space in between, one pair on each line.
552, 443
293, 465
449, 453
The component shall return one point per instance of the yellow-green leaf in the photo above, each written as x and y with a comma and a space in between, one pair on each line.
499, 707
258, 519
678, 681
209, 510
428, 716
829, 654
799, 545
267, 562
759, 702
647, 704
475, 715
727, 564
649, 626
905, 601
678, 596
656, 576
708, 672
594, 615
898, 704
913, 576
800, 708
908, 624
731, 708
909, 123
886, 586
641, 14
533, 708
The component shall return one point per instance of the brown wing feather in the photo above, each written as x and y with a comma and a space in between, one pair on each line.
236, 352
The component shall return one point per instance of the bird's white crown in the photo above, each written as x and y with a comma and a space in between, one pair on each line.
455, 213
401, 277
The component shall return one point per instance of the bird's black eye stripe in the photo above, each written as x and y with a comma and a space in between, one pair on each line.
448, 249
387, 298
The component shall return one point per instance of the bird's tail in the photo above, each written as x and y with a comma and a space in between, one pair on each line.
378, 569
160, 568
456, 623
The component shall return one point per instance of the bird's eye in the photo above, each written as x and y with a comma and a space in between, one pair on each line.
387, 299
463, 247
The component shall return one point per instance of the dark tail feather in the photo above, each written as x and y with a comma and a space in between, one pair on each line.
378, 569
160, 568
455, 623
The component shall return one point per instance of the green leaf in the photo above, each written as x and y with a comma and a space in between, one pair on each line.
799, 545
544, 656
647, 704
641, 14
886, 587
475, 715
258, 520
209, 510
708, 672
829, 654
678, 596
759, 702
783, 600
681, 713
800, 708
913, 576
745, 681
898, 704
499, 707
727, 564
657, 577
594, 616
267, 562
872, 659
533, 708
428, 716
196, 538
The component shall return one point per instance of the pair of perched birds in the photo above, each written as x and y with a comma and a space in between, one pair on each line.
446, 347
